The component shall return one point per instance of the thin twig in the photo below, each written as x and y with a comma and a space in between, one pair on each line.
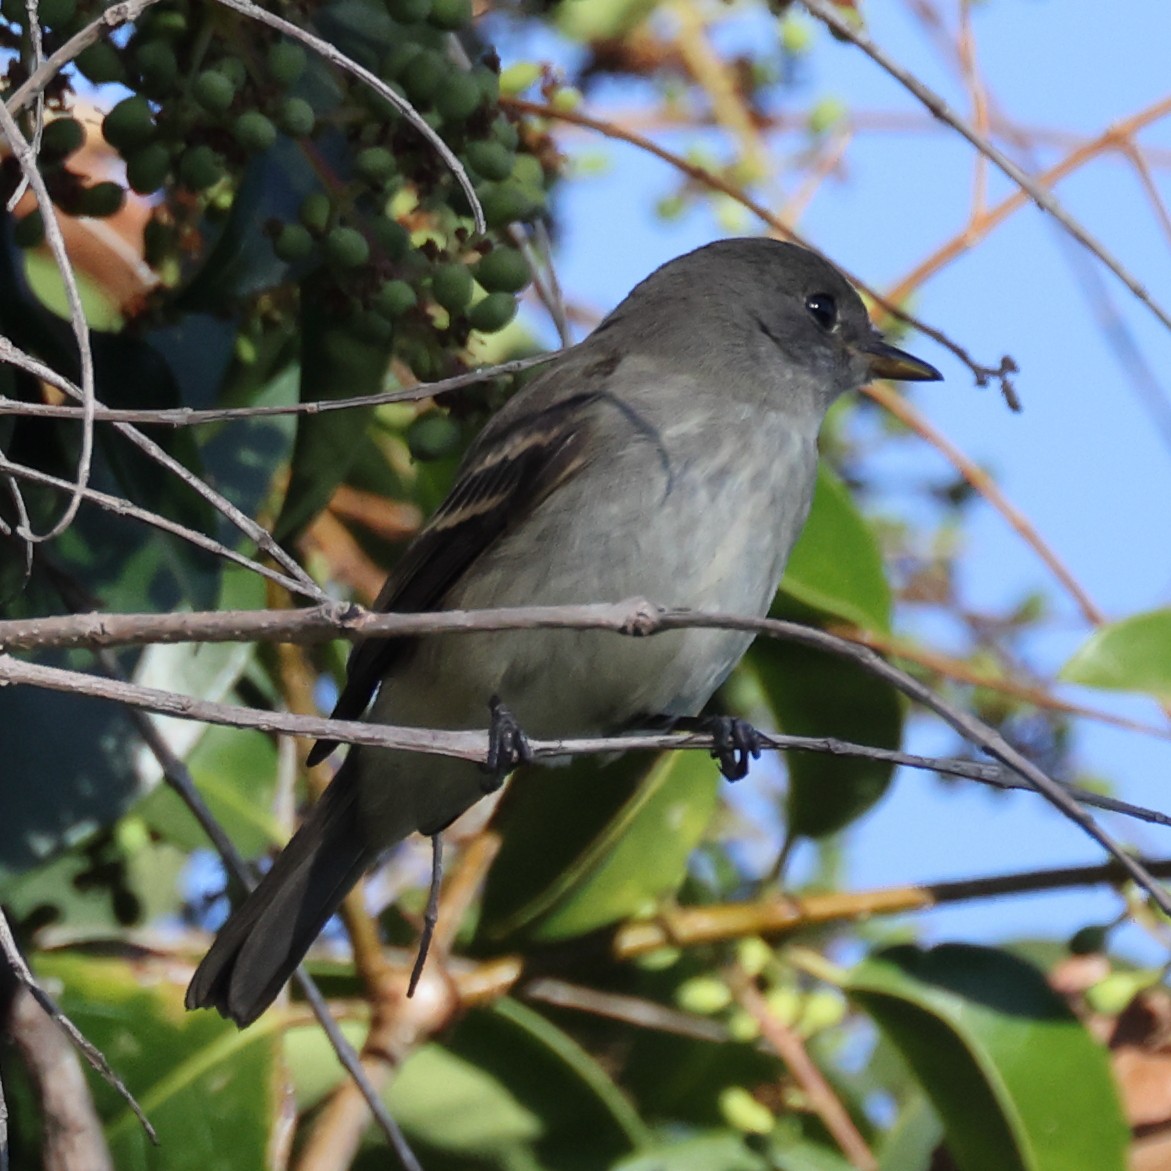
335, 57
189, 417
26, 156
716, 182
1042, 197
180, 780
983, 483
71, 1131
637, 618
119, 506
92, 1053
111, 18
818, 1093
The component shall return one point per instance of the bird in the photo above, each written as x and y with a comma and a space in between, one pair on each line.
670, 455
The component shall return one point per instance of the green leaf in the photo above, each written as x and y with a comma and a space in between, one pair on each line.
197, 1077
813, 694
587, 845
335, 363
836, 566
1131, 655
711, 1152
910, 1143
1019, 1083
506, 1089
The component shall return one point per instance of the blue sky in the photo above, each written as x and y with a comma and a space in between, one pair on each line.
1083, 460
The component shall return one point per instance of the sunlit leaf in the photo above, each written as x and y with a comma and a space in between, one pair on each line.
1016, 1078
1131, 655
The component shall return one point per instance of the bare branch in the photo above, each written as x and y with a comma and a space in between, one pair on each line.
1042, 197
122, 507
111, 18
188, 417
72, 1131
180, 780
636, 618
92, 1054
714, 182
26, 155
818, 1092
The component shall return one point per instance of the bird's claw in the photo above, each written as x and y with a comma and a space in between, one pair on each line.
735, 743
508, 746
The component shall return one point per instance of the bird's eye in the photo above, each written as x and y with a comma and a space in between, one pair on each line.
823, 309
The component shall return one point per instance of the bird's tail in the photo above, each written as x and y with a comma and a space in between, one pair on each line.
267, 936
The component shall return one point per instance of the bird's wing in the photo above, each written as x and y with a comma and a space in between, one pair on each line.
507, 472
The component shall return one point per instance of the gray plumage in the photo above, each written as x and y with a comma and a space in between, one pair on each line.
671, 455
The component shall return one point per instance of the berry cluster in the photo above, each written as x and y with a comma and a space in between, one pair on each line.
221, 116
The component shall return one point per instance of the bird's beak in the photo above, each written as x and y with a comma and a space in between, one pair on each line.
888, 362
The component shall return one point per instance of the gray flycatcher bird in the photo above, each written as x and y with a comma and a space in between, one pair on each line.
671, 456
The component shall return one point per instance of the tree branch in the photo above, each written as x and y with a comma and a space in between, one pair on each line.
634, 618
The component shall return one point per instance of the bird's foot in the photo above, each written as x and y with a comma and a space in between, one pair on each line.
735, 743
508, 746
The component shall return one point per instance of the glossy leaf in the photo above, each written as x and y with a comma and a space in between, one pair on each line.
335, 363
722, 1151
812, 694
196, 1076
1018, 1081
1131, 655
587, 845
910, 1143
836, 567
504, 1089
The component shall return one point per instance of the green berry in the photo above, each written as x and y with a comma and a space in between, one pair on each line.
233, 69
62, 137
286, 62
253, 131
346, 248
434, 435
459, 98
102, 64
409, 11
296, 117
397, 59
158, 67
392, 238
213, 91
509, 202
101, 200
503, 270
424, 76
293, 243
166, 24
129, 124
394, 299
493, 313
372, 328
29, 230
506, 133
451, 286
375, 164
147, 168
200, 167
489, 83
451, 14
527, 172
492, 160
315, 212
